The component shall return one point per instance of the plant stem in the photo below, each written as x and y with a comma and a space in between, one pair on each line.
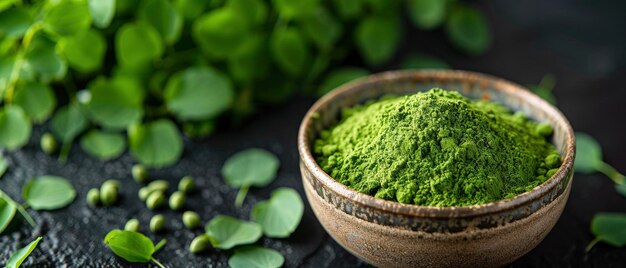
593, 243
20, 209
158, 263
241, 195
160, 245
19, 61
612, 173
65, 151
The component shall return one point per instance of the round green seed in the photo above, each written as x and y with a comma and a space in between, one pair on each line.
157, 223
155, 200
108, 195
48, 143
111, 183
140, 174
199, 244
186, 184
93, 197
132, 225
159, 185
191, 219
177, 200
144, 192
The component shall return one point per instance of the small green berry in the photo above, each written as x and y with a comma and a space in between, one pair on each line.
140, 174
191, 219
544, 129
108, 195
155, 200
186, 184
159, 185
551, 172
111, 183
177, 200
157, 223
132, 225
48, 143
144, 192
199, 244
93, 197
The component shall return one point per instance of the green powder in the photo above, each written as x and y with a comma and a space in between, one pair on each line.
437, 148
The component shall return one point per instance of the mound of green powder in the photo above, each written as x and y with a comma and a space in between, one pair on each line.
437, 148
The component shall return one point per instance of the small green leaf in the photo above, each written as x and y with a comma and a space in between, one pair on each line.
190, 9
4, 166
137, 43
225, 232
253, 167
427, 14
220, 32
21, 254
102, 12
162, 15
68, 123
281, 214
155, 144
340, 77
130, 246
7, 213
349, 9
36, 99
103, 145
14, 22
85, 50
289, 9
48, 193
256, 257
324, 29
290, 51
588, 154
43, 59
116, 103
467, 30
14, 127
422, 61
378, 38
198, 93
67, 17
610, 228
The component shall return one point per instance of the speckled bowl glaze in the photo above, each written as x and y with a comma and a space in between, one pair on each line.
390, 234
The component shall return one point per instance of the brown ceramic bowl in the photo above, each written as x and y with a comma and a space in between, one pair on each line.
390, 234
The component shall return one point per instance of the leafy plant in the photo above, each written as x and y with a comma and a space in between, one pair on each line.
48, 193
133, 246
191, 61
256, 257
21, 254
609, 228
251, 167
589, 160
281, 214
225, 232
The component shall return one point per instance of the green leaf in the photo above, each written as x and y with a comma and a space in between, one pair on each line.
5, 4
588, 154
225, 232
155, 144
137, 43
37, 100
254, 12
256, 257
220, 32
281, 214
102, 12
162, 15
378, 38
14, 127
7, 213
48, 193
198, 93
289, 9
43, 59
68, 123
340, 77
254, 167
324, 29
130, 246
610, 228
422, 61
4, 166
190, 9
67, 17
85, 51
251, 60
467, 30
349, 9
103, 145
290, 51
427, 14
21, 254
116, 103
14, 22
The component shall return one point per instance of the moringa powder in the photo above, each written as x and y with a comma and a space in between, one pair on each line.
437, 148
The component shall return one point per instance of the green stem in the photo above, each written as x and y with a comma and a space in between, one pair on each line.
20, 209
158, 263
241, 195
65, 151
19, 61
160, 245
612, 173
593, 243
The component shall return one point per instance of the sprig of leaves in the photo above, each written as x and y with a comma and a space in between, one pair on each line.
251, 167
133, 246
589, 160
20, 255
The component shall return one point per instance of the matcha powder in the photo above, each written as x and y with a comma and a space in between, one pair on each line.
437, 148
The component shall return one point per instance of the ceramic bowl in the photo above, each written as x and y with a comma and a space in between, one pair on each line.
390, 234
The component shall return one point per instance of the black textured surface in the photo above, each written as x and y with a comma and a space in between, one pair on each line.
580, 42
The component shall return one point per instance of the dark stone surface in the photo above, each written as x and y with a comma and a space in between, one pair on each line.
580, 42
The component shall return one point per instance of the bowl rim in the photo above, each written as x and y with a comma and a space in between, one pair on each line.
309, 162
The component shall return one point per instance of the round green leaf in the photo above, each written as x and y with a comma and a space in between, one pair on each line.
198, 93
42, 58
421, 61
220, 33
256, 257
281, 214
225, 232
103, 145
289, 9
190, 9
340, 77
588, 154
85, 50
14, 127
7, 213
427, 14
67, 17
129, 245
102, 12
290, 51
116, 103
155, 144
36, 99
467, 30
68, 122
323, 29
610, 228
137, 43
162, 15
21, 254
252, 167
14, 22
377, 38
48, 193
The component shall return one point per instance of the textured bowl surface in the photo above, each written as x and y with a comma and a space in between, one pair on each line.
390, 234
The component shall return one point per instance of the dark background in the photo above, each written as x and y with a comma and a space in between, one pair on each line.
582, 43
